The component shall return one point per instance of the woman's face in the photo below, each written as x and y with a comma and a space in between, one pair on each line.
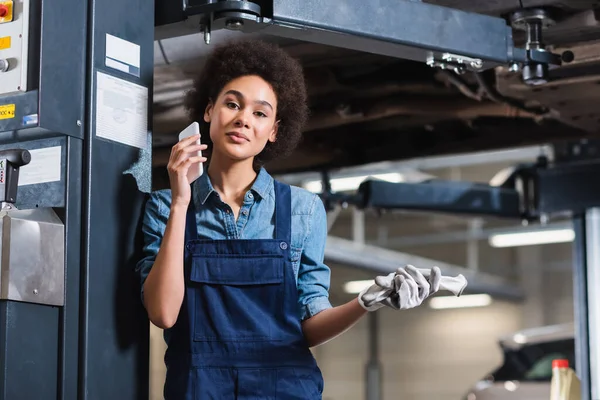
242, 118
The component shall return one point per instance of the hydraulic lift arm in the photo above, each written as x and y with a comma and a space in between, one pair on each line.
439, 36
531, 192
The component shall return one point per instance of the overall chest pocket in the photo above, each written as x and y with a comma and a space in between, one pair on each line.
237, 298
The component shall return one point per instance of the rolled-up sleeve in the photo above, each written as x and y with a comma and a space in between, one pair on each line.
313, 275
156, 214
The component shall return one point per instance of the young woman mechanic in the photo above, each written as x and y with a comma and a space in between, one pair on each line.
233, 267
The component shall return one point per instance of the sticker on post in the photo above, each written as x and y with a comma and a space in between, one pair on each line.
122, 55
5, 43
45, 166
30, 120
121, 111
7, 111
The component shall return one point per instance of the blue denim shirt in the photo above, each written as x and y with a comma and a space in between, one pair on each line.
215, 220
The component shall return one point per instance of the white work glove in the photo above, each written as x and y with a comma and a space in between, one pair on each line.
412, 288
408, 287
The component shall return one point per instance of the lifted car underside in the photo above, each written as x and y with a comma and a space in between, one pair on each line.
370, 107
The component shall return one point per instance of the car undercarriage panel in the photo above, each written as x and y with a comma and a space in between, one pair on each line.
369, 107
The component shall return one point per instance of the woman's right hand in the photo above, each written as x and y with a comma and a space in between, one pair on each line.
178, 166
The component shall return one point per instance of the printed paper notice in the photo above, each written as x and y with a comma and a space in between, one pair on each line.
121, 111
44, 166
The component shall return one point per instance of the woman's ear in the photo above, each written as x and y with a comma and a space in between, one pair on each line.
208, 112
273, 135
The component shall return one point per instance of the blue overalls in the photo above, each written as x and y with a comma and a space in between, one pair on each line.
238, 335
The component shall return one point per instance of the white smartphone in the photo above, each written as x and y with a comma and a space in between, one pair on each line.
197, 169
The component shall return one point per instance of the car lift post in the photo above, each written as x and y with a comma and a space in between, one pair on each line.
79, 81
587, 308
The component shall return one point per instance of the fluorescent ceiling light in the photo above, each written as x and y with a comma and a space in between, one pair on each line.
520, 338
351, 182
464, 301
355, 287
510, 386
532, 238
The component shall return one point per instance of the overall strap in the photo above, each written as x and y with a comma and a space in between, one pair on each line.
283, 212
191, 228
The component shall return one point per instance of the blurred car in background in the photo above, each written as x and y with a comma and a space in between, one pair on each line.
526, 370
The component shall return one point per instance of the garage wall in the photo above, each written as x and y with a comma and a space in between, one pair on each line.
546, 274
559, 279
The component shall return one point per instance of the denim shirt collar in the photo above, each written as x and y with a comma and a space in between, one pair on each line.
203, 188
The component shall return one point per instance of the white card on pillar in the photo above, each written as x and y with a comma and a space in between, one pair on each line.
196, 169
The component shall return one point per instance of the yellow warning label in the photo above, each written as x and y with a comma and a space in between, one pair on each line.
5, 43
7, 111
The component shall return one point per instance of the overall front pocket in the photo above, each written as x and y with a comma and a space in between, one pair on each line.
237, 298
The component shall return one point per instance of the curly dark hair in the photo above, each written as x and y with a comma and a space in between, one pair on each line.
254, 57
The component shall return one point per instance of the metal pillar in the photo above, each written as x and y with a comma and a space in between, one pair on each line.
593, 283
96, 345
587, 306
475, 226
358, 225
332, 216
373, 368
